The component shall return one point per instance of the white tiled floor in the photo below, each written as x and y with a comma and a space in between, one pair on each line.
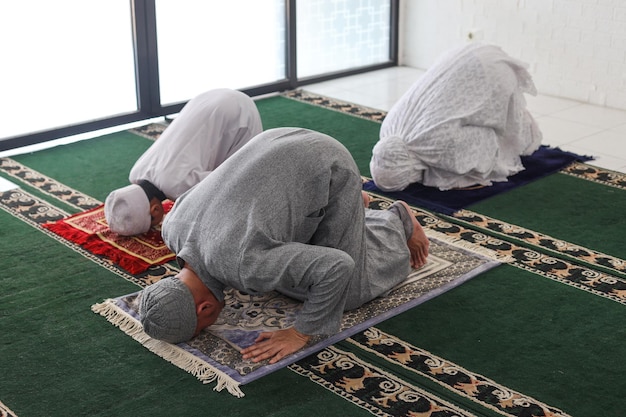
570, 125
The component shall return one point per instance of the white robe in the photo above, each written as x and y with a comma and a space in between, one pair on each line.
209, 129
463, 123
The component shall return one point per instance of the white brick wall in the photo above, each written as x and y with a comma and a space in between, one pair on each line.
575, 48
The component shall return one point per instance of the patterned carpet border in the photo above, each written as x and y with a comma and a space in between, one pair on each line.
536, 239
595, 282
151, 131
48, 185
371, 388
336, 105
595, 174
451, 376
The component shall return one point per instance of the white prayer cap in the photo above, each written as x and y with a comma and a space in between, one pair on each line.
127, 211
168, 311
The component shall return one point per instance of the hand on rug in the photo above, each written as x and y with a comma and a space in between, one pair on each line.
275, 345
418, 243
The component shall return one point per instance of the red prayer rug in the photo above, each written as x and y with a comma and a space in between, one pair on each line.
135, 254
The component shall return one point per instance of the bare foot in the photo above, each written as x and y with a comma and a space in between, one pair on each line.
366, 199
418, 243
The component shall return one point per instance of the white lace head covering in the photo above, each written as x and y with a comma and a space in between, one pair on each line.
392, 166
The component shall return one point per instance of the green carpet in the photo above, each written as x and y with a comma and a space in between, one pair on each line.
359, 136
563, 206
548, 327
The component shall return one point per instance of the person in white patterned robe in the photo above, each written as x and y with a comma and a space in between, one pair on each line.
463, 123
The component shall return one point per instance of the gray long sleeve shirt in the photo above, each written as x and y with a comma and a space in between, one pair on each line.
285, 213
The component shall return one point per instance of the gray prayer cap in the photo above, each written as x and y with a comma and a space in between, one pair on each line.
168, 311
127, 211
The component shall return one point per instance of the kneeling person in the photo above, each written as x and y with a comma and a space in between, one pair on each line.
210, 128
284, 213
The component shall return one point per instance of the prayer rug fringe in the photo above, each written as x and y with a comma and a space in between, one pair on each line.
95, 245
171, 353
5, 411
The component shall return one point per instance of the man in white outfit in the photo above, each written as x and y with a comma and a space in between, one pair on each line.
209, 129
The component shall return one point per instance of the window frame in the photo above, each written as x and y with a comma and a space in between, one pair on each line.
143, 16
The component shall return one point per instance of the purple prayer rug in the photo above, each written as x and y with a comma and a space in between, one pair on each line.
213, 356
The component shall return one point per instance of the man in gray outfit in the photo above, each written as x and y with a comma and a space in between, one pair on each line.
284, 213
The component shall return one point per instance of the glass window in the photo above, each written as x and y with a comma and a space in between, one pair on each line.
64, 62
68, 63
205, 44
334, 35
